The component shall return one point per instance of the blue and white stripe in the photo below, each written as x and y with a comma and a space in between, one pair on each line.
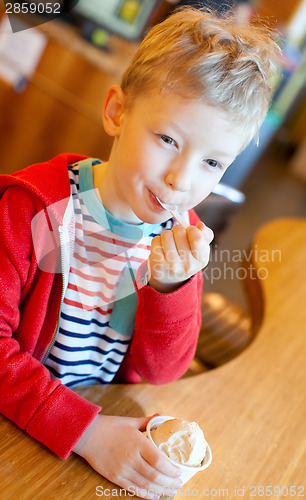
87, 349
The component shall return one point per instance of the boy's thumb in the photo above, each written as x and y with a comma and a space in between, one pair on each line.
209, 234
143, 421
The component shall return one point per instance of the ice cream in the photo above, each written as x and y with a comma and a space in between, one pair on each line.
181, 441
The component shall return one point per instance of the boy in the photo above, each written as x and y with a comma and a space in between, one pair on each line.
75, 231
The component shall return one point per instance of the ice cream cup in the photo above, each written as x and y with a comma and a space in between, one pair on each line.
187, 472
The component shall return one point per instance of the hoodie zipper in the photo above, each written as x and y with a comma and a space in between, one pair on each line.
55, 332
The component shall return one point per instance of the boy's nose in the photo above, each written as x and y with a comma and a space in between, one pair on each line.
180, 175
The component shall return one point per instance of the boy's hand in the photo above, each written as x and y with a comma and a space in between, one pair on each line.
177, 255
116, 449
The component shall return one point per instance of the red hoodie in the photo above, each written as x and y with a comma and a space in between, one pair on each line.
166, 325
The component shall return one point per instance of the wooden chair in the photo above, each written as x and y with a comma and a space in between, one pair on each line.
226, 327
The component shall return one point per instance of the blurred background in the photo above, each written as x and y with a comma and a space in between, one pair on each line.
55, 68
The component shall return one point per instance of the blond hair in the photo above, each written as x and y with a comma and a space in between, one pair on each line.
214, 59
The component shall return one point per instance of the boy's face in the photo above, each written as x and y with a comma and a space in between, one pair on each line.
171, 148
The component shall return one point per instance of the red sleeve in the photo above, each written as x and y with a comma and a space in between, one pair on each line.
50, 412
166, 331
193, 218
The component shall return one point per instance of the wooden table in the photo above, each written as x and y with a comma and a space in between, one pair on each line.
252, 410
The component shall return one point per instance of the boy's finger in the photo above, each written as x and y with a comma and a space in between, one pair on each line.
208, 233
157, 249
169, 247
141, 422
157, 460
199, 246
181, 241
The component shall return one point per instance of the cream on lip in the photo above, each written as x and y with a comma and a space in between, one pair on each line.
174, 205
156, 198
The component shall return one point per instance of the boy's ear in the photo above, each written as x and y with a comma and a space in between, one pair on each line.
113, 108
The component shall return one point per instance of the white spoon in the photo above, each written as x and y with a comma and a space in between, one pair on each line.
174, 212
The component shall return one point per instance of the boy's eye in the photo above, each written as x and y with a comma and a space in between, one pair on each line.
212, 163
167, 140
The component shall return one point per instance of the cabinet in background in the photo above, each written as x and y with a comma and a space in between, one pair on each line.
60, 109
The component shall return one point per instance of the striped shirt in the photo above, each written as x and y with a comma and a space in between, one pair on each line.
98, 310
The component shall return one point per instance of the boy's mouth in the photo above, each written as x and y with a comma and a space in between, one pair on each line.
154, 201
157, 205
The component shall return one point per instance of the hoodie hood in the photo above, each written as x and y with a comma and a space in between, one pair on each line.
47, 186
